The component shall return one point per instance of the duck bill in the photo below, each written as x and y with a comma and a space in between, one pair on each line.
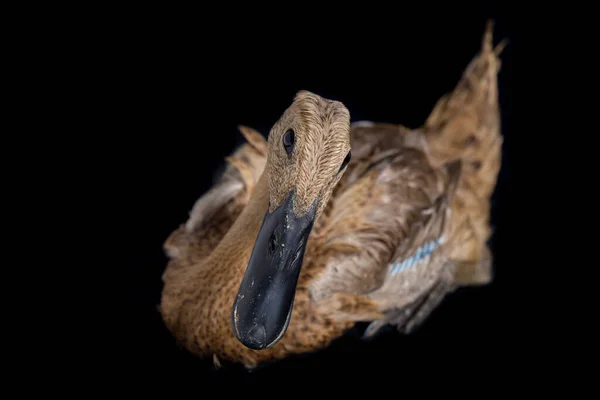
263, 306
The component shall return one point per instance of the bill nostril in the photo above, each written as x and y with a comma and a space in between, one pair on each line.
273, 243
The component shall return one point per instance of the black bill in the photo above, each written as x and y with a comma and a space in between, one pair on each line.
263, 306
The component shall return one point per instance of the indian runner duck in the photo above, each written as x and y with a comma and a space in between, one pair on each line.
328, 223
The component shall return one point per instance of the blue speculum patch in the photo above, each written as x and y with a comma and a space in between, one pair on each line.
419, 255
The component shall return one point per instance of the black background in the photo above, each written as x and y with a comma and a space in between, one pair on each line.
175, 91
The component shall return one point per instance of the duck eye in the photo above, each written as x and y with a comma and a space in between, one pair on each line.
288, 140
346, 161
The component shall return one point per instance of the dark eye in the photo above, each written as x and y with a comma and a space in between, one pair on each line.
288, 140
346, 161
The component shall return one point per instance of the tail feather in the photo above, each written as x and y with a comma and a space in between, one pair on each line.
465, 124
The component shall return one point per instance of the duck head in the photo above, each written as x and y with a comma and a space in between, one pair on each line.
308, 151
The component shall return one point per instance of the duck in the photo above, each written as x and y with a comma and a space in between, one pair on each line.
327, 223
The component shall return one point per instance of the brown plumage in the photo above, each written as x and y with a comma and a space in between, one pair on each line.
404, 224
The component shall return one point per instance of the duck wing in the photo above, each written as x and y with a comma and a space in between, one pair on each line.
385, 224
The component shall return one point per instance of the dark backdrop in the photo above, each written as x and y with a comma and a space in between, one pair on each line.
177, 92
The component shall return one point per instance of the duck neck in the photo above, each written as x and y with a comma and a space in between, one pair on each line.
234, 250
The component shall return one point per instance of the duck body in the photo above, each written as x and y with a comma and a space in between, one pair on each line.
405, 225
